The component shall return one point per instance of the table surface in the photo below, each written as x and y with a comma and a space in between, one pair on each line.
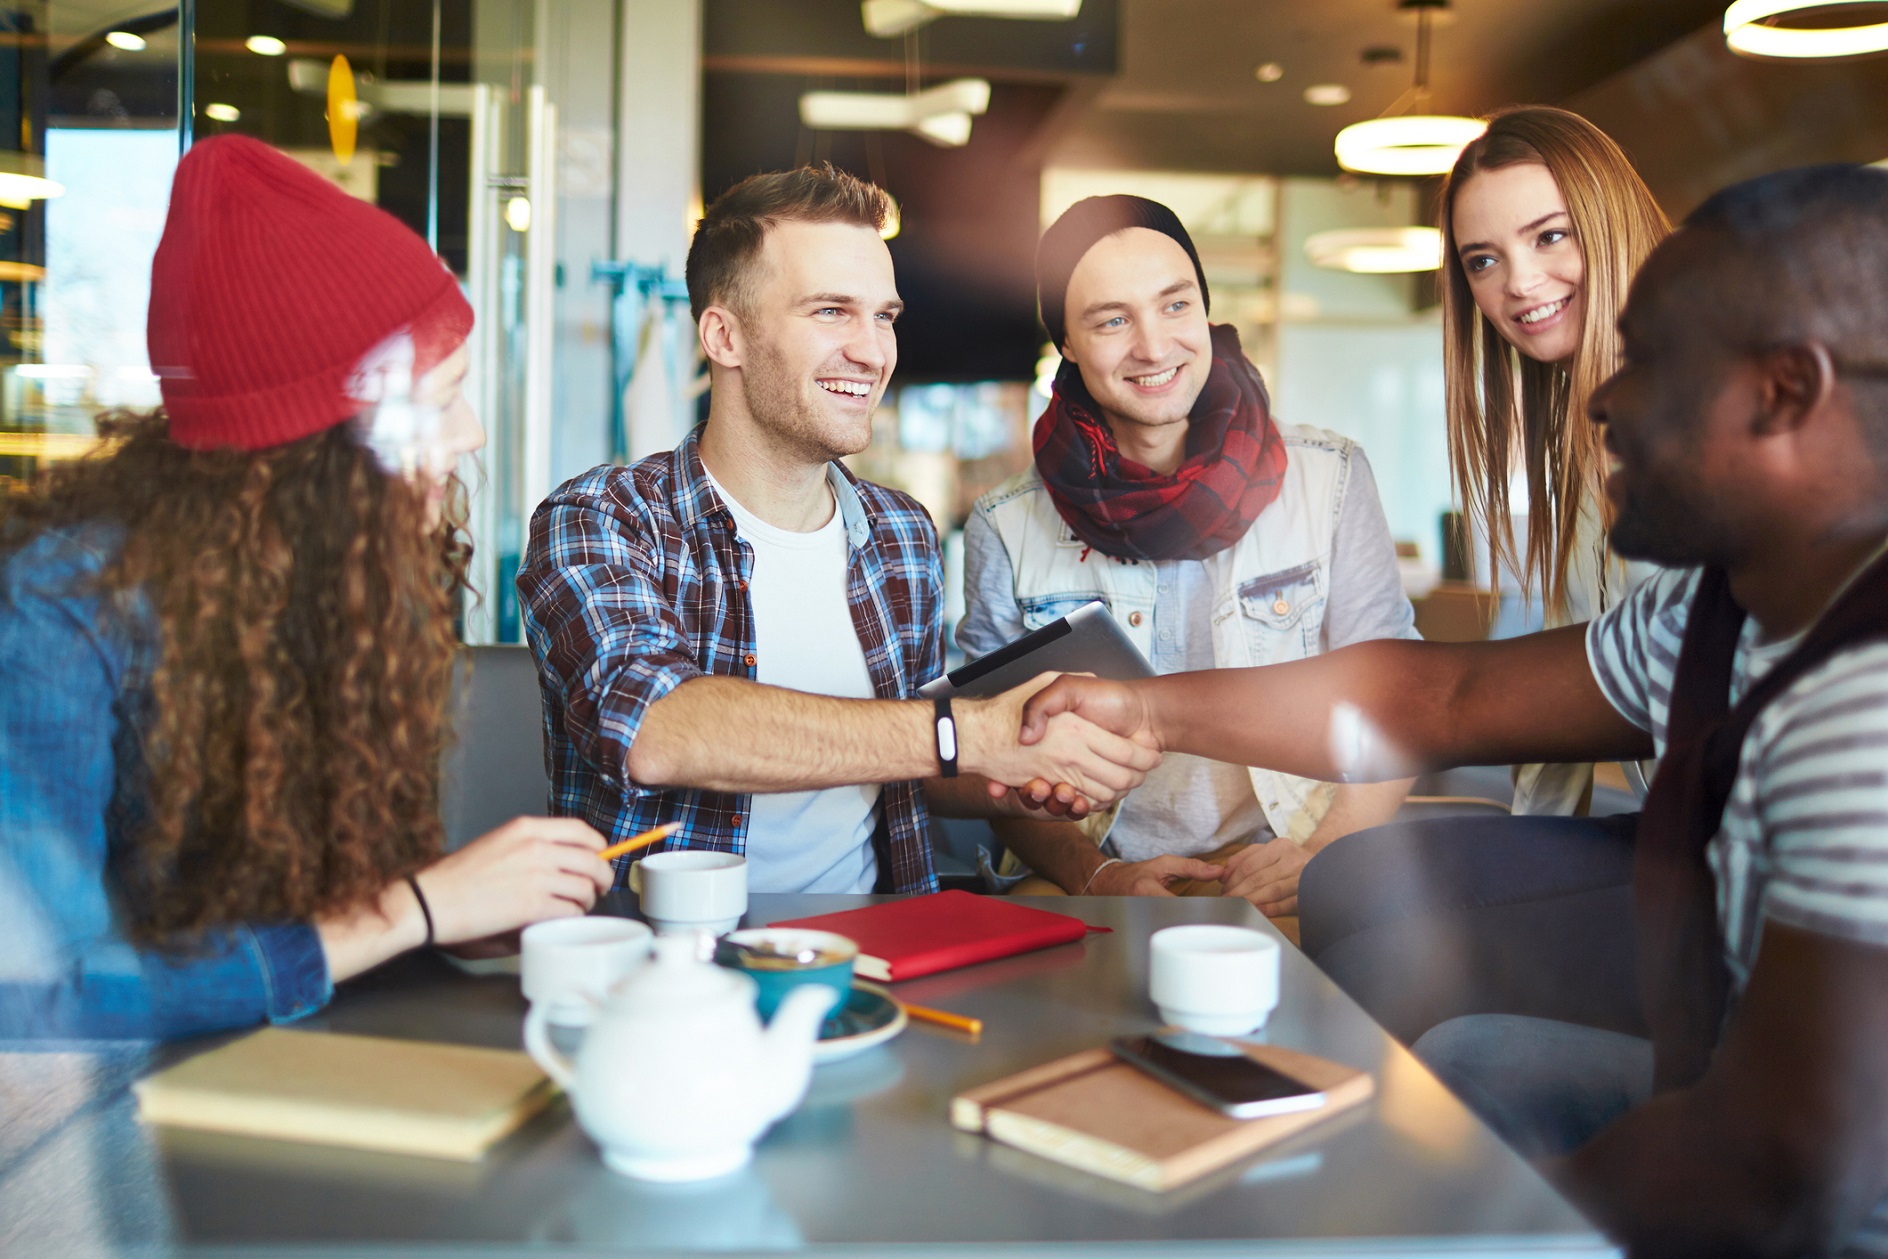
870, 1159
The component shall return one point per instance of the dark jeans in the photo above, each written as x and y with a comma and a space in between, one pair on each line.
1422, 922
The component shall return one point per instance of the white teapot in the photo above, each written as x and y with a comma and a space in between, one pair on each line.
676, 1079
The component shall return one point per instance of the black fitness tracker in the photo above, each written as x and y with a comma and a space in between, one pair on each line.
946, 730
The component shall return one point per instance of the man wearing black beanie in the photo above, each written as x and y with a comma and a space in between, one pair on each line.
1218, 538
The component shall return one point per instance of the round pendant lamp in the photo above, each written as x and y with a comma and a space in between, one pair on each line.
1746, 32
1414, 144
1409, 144
23, 181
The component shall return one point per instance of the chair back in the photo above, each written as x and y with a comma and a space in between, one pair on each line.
494, 767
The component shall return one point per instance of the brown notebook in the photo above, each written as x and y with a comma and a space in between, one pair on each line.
372, 1093
1093, 1111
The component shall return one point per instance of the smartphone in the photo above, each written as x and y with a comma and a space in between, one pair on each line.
1217, 1073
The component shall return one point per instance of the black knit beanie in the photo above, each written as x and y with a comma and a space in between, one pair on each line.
1070, 237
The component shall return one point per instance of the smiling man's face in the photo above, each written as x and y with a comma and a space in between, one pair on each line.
819, 345
1682, 482
1137, 328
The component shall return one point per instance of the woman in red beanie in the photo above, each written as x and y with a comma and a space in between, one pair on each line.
226, 641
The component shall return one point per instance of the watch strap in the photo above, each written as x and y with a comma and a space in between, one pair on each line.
944, 730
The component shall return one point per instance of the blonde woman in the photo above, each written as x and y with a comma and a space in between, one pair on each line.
1544, 222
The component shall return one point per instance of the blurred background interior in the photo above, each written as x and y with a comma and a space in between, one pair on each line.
557, 151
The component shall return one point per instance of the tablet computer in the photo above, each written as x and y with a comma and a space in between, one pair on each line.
1087, 640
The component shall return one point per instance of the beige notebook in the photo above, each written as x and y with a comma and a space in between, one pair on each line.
1093, 1111
369, 1092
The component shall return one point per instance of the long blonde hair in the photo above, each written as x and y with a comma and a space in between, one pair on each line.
1498, 398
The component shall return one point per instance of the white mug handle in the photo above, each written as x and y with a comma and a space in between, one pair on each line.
537, 1043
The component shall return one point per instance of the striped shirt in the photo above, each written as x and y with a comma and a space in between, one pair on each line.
1804, 840
635, 581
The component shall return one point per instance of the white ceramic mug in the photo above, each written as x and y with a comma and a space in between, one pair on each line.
684, 892
1219, 980
572, 963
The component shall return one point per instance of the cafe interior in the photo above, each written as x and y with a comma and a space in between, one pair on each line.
557, 154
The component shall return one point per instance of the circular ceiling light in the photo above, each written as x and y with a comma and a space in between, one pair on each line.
1327, 94
1414, 144
125, 40
894, 220
1745, 32
1270, 72
1376, 250
265, 45
23, 181
222, 111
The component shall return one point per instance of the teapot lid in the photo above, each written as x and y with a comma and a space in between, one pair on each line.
679, 978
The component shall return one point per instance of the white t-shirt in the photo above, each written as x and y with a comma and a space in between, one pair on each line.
804, 640
1804, 839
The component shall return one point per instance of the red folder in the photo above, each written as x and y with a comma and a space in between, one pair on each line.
923, 935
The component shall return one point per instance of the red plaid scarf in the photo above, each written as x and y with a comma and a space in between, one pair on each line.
1235, 462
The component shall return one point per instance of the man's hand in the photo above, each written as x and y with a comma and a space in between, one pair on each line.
1114, 706
1076, 755
1266, 875
1152, 877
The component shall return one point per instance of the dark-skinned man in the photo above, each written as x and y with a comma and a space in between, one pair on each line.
1749, 425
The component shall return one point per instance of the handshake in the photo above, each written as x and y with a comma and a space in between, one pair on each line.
1060, 744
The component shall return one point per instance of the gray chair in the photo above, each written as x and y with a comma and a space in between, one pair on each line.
494, 768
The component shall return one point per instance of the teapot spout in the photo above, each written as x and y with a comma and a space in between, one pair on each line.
788, 1044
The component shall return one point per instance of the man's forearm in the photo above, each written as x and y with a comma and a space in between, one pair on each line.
1058, 851
1389, 709
728, 734
1357, 807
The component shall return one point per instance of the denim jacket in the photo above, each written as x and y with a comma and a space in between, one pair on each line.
71, 689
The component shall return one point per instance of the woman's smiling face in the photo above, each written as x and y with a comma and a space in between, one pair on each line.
1525, 269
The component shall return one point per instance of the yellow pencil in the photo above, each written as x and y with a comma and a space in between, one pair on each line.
655, 836
944, 1018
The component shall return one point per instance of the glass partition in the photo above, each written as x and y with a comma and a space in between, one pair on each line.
430, 109
88, 140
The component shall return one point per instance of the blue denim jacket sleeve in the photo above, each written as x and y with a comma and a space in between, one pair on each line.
66, 969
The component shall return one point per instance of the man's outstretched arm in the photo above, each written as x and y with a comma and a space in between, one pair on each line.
1373, 711
729, 734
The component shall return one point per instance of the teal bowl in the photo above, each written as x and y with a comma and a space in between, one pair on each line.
778, 974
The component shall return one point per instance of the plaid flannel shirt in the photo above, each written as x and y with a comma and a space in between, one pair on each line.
634, 581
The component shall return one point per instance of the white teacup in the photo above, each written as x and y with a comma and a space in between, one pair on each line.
684, 892
1219, 980
573, 962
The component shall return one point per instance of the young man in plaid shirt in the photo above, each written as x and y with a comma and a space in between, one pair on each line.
1217, 537
730, 634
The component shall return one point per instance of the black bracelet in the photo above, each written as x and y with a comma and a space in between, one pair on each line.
426, 911
944, 728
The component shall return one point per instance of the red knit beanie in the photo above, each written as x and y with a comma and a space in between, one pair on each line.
268, 287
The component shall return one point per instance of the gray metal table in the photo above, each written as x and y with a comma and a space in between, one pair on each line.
869, 1160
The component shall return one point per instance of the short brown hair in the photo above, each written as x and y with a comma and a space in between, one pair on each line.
730, 235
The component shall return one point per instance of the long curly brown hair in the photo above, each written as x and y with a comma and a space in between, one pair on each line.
295, 709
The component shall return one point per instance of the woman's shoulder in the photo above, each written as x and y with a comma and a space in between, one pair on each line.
60, 563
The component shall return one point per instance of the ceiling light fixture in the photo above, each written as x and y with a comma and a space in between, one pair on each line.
1327, 94
889, 18
1269, 72
265, 45
222, 112
125, 41
1376, 250
894, 220
1747, 31
23, 181
940, 114
1409, 144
